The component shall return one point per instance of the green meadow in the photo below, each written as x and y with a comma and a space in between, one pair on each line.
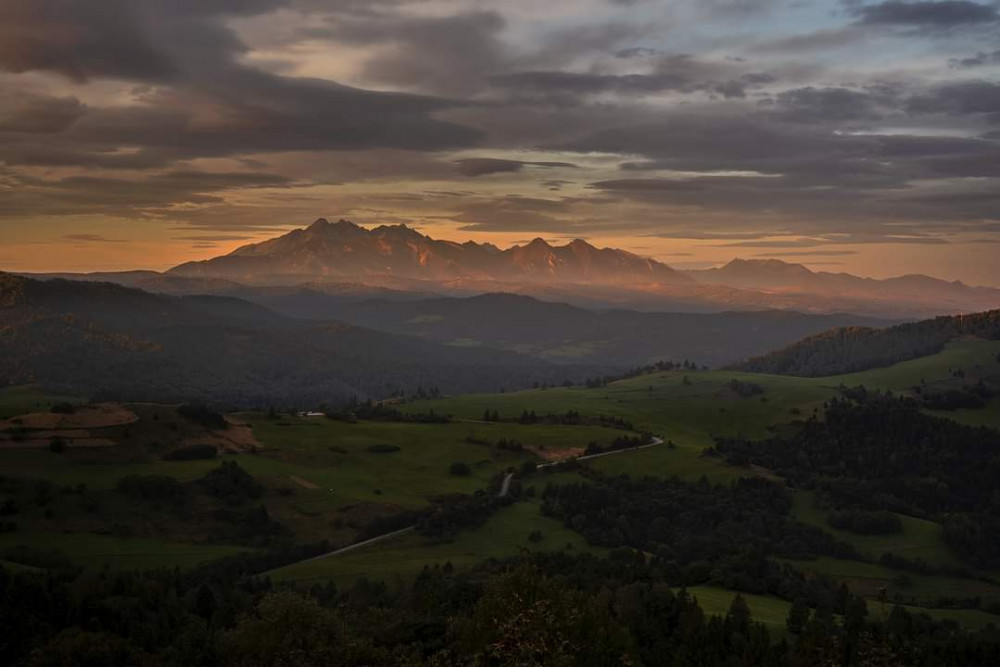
23, 399
324, 478
119, 553
505, 534
920, 539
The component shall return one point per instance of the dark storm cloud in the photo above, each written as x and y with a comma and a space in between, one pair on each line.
126, 197
448, 53
980, 59
811, 171
965, 97
834, 38
819, 141
828, 104
482, 166
38, 114
79, 39
186, 46
943, 14
677, 73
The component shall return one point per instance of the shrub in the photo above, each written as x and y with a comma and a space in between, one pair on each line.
460, 469
57, 445
383, 449
150, 487
192, 453
201, 414
231, 482
63, 408
866, 523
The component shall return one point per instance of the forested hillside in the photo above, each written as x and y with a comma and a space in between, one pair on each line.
852, 349
110, 342
876, 452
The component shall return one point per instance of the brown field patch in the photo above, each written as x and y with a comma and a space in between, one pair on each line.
304, 483
556, 454
80, 443
70, 433
236, 439
101, 415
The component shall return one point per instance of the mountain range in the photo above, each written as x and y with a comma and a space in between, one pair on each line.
345, 250
400, 259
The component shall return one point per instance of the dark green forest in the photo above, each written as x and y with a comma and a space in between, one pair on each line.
538, 610
851, 349
878, 452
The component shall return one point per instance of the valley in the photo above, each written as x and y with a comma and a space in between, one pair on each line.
333, 481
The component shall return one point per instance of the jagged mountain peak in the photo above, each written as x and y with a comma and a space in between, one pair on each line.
344, 249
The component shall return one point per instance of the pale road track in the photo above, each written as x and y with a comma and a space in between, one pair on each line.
505, 485
504, 489
656, 441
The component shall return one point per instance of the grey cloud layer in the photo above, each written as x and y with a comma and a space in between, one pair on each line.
751, 122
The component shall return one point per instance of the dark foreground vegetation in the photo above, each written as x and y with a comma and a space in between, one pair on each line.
557, 610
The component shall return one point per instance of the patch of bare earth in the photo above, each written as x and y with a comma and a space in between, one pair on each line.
44, 444
237, 438
304, 483
556, 454
101, 415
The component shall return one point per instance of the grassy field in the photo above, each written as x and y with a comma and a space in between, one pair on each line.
868, 578
324, 480
770, 611
920, 538
23, 399
504, 534
119, 553
693, 407
988, 416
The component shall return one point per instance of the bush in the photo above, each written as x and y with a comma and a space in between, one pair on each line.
460, 469
231, 482
63, 408
192, 453
866, 523
150, 487
383, 449
57, 445
201, 414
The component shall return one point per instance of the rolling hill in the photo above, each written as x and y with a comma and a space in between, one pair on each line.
788, 281
105, 340
852, 349
563, 333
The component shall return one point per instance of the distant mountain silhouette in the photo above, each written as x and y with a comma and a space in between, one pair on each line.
788, 278
343, 249
563, 333
345, 262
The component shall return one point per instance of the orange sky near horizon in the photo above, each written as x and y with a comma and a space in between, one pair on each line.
103, 247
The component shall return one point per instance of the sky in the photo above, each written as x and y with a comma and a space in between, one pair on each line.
847, 135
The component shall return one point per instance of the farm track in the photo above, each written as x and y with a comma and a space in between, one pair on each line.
504, 490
